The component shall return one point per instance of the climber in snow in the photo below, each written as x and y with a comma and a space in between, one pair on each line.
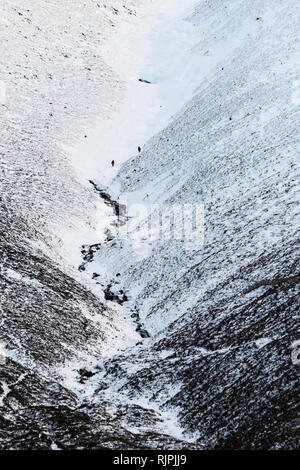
139, 149
113, 163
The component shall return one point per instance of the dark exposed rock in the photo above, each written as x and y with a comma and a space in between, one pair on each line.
144, 81
117, 296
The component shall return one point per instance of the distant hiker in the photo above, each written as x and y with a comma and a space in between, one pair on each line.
113, 163
85, 136
139, 149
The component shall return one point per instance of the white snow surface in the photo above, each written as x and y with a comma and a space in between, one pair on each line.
156, 46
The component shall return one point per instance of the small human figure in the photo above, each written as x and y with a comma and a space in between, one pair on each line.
139, 149
113, 163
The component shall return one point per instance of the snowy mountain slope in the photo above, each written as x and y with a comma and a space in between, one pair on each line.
238, 170
39, 413
228, 313
149, 345
56, 85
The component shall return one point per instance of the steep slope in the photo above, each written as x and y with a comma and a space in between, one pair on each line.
222, 318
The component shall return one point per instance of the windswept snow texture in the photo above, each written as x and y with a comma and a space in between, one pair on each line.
157, 347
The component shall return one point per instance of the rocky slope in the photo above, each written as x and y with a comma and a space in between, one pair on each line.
198, 352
